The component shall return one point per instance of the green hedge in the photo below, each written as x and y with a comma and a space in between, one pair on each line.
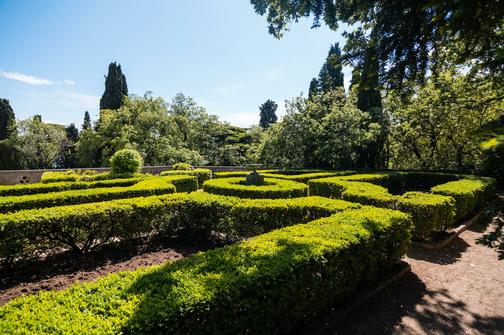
272, 188
86, 175
150, 186
26, 233
202, 174
302, 176
430, 212
263, 285
25, 189
470, 194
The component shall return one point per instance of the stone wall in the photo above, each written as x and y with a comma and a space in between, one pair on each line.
11, 177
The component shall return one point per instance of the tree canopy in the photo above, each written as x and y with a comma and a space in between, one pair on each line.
268, 113
7, 119
115, 88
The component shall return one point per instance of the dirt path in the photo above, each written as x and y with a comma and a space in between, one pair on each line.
456, 290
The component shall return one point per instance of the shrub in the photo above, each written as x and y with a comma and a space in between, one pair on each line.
201, 174
273, 188
149, 186
182, 167
126, 161
26, 233
54, 177
259, 286
470, 194
430, 212
25, 189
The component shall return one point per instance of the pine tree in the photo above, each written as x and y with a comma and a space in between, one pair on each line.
331, 75
267, 113
314, 88
72, 133
7, 119
115, 88
87, 121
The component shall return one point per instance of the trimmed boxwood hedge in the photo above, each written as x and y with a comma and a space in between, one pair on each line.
302, 176
202, 174
25, 189
26, 233
149, 186
434, 211
470, 194
272, 188
86, 175
263, 285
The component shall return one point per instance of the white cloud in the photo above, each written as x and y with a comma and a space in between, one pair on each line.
32, 80
242, 119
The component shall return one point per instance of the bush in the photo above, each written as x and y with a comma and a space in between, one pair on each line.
201, 174
26, 233
126, 161
470, 194
149, 186
182, 167
430, 212
272, 188
54, 177
25, 189
259, 286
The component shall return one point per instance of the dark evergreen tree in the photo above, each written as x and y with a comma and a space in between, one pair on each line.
267, 113
115, 88
365, 79
331, 75
37, 117
7, 119
72, 133
87, 121
314, 88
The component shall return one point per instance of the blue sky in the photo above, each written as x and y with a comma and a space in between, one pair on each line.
55, 54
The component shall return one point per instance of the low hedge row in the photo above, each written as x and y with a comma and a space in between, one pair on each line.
470, 194
149, 186
86, 175
26, 233
201, 174
430, 212
272, 189
25, 189
293, 175
434, 211
263, 285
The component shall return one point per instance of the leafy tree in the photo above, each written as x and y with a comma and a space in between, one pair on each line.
331, 75
267, 113
434, 127
410, 36
72, 133
7, 119
39, 143
115, 88
87, 121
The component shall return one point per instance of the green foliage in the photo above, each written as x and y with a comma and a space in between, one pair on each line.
87, 121
331, 74
434, 128
327, 131
470, 194
256, 286
83, 175
115, 88
493, 164
7, 119
272, 188
410, 37
145, 187
182, 166
267, 113
430, 212
63, 185
201, 174
126, 161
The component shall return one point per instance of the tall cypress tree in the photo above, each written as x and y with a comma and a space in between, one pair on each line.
314, 88
115, 88
267, 113
369, 100
87, 121
331, 74
7, 119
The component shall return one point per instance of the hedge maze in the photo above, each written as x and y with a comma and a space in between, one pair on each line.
301, 243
